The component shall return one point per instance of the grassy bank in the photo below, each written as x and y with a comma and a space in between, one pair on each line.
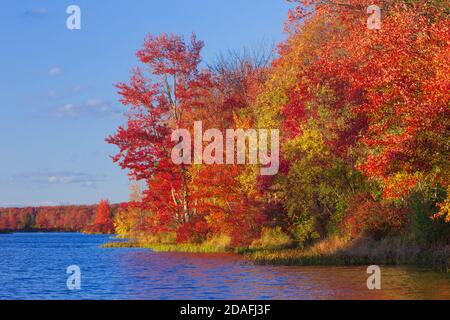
168, 247
334, 251
214, 245
122, 244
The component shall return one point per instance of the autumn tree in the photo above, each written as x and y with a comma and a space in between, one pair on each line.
103, 213
159, 102
103, 219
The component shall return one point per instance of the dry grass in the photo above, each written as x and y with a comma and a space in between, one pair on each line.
119, 244
272, 239
213, 245
331, 251
329, 246
338, 251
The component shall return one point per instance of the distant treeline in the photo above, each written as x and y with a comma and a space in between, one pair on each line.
74, 218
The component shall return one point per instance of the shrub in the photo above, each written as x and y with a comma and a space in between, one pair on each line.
272, 239
368, 217
426, 226
304, 231
219, 243
160, 237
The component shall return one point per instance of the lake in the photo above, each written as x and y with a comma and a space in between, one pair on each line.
33, 266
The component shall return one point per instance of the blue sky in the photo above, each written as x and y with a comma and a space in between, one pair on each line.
58, 102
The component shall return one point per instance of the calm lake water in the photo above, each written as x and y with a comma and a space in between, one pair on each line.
33, 266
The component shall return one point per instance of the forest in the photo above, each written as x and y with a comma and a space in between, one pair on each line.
363, 115
75, 218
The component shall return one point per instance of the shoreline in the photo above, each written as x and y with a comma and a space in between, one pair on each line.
328, 252
390, 252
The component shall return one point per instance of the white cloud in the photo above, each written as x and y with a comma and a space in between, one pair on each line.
36, 11
39, 11
91, 107
69, 178
79, 88
67, 110
102, 107
94, 103
49, 204
10, 205
54, 71
61, 178
52, 93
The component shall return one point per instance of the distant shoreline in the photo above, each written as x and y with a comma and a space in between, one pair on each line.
75, 218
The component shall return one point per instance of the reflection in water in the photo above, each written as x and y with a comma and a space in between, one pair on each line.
32, 266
